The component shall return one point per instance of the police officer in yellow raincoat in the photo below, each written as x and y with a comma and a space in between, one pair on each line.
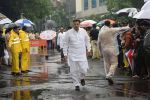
25, 43
15, 47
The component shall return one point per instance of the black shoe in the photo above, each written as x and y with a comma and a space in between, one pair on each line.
13, 73
18, 74
110, 81
28, 70
77, 88
146, 78
24, 72
82, 82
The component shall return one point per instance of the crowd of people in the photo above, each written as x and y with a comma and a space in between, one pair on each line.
15, 49
124, 45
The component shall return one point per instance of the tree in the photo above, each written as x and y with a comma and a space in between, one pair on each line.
114, 5
32, 9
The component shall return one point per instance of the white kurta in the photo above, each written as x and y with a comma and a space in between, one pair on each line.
75, 46
107, 46
60, 39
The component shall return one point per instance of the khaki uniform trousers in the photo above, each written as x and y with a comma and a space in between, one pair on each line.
95, 50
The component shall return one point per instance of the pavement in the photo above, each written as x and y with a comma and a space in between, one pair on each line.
50, 80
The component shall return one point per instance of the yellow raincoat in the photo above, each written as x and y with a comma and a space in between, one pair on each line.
15, 48
25, 43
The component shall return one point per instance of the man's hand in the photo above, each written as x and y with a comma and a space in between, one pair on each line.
138, 40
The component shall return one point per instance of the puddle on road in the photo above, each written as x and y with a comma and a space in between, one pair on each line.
120, 91
63, 70
139, 90
3, 84
132, 89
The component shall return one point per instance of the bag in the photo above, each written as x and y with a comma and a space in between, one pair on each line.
6, 57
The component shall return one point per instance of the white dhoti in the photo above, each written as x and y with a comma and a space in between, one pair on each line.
78, 69
110, 62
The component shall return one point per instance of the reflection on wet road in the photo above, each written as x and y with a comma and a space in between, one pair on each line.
50, 80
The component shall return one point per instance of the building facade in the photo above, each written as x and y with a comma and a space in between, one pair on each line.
86, 8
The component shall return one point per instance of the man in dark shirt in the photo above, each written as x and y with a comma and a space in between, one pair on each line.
147, 52
2, 46
94, 36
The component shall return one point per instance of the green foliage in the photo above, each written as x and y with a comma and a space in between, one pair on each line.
32, 9
114, 5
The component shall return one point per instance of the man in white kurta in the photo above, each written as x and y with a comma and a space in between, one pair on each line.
76, 45
107, 46
60, 42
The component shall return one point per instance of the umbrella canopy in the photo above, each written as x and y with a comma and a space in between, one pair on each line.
146, 6
24, 22
5, 21
103, 21
48, 35
143, 14
130, 11
50, 24
87, 23
2, 16
9, 25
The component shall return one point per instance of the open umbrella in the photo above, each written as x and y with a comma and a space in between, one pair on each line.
100, 23
48, 35
24, 22
87, 23
146, 6
2, 16
143, 14
50, 24
130, 11
4, 19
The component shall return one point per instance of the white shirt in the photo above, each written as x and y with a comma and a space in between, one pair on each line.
60, 38
106, 38
75, 44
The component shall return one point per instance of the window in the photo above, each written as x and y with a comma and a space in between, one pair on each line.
85, 4
102, 2
94, 3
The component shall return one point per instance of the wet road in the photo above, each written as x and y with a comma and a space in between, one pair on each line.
50, 80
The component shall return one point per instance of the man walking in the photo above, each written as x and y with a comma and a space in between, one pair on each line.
107, 47
76, 44
94, 36
60, 41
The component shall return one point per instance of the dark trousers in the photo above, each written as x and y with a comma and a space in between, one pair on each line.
120, 59
62, 54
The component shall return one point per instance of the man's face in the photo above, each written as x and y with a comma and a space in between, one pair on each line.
16, 30
76, 25
62, 29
